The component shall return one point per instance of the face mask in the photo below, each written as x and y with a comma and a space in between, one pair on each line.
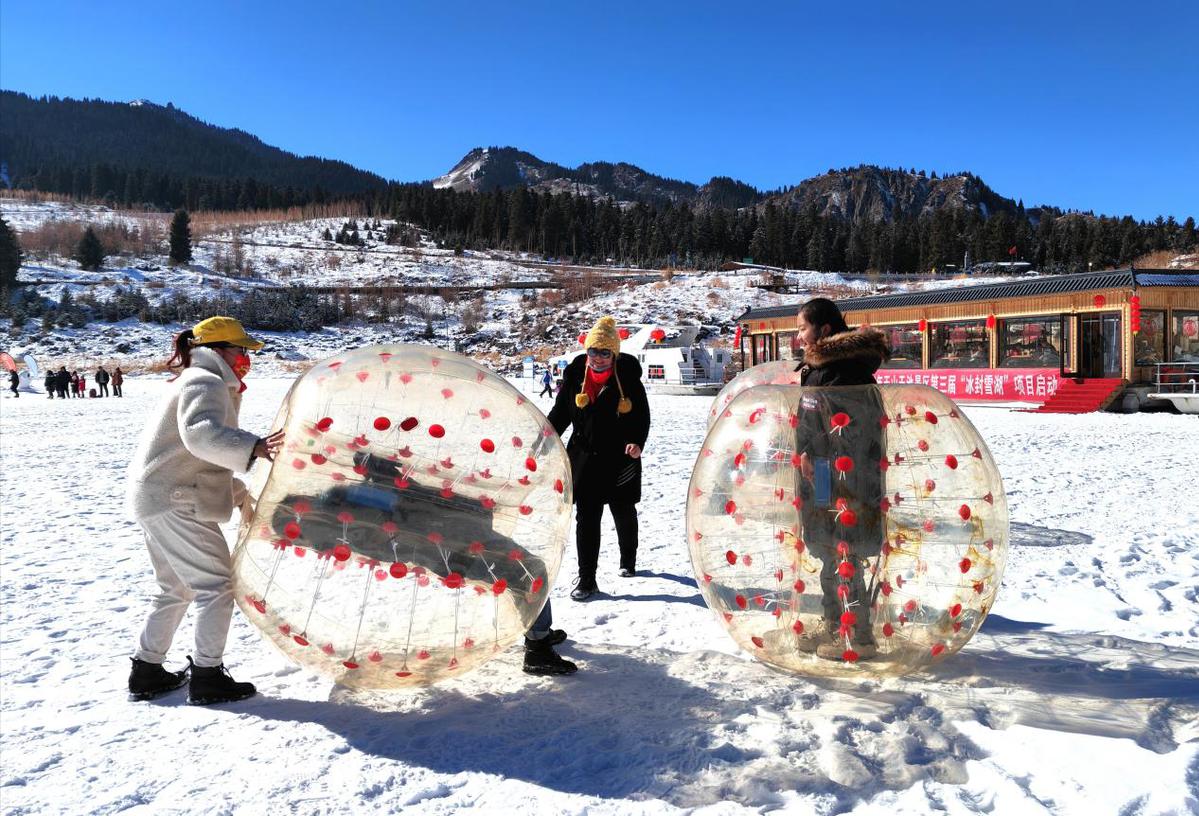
241, 365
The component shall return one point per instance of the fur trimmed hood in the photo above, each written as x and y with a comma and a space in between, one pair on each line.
865, 344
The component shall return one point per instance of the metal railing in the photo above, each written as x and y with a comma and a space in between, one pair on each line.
1176, 378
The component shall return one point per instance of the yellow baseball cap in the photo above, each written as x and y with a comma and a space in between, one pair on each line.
223, 330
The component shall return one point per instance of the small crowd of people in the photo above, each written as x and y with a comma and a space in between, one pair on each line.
601, 401
73, 384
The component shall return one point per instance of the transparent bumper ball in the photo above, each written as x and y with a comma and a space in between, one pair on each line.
777, 372
845, 530
412, 526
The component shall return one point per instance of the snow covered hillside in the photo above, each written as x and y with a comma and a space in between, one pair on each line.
499, 324
1080, 695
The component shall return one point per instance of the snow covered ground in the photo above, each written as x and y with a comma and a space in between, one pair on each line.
1080, 695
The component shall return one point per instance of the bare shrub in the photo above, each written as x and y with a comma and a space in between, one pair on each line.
472, 316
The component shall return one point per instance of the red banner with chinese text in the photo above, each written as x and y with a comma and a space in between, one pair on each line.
980, 384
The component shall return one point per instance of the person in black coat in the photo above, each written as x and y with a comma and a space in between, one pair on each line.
102, 378
51, 383
14, 382
603, 401
63, 382
842, 515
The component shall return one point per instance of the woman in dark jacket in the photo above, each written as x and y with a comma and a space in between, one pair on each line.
842, 442
603, 400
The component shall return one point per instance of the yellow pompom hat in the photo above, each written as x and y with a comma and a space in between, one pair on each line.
605, 335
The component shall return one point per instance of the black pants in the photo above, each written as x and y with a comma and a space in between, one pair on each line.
546, 390
587, 536
116, 390
103, 389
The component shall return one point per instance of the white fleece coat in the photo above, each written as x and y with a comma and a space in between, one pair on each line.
187, 454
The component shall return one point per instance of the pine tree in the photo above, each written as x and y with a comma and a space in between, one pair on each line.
10, 256
90, 252
181, 238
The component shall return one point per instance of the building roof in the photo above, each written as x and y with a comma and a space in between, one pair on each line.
1040, 285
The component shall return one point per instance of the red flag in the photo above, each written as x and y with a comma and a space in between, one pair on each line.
737, 336
1011, 251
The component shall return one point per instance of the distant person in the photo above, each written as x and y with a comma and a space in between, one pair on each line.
82, 385
102, 378
14, 381
62, 382
547, 383
118, 379
181, 488
51, 383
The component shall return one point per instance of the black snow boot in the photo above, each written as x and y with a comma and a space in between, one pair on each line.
214, 684
149, 680
540, 658
554, 637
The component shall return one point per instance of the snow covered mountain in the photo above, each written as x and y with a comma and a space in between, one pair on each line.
868, 193
864, 193
502, 168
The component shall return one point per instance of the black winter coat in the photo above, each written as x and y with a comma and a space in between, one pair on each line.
846, 359
602, 472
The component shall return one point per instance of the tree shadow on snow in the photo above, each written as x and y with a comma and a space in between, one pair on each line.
1079, 682
1030, 535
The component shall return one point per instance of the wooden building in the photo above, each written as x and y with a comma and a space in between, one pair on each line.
1016, 340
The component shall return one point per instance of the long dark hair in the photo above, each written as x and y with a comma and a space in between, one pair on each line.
182, 357
823, 312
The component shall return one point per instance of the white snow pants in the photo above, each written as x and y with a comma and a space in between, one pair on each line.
191, 563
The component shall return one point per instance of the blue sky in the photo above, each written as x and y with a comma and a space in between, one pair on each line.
1090, 106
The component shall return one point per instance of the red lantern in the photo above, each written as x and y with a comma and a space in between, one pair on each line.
922, 325
1100, 301
990, 321
624, 333
582, 338
657, 335
1134, 313
1190, 327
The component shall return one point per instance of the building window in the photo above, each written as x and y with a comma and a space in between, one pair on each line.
784, 345
907, 346
962, 344
1149, 344
1185, 334
761, 347
1031, 342
655, 372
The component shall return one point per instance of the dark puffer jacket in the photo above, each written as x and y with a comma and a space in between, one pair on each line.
602, 472
849, 358
846, 359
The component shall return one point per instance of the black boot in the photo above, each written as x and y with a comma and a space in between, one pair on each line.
554, 637
214, 684
540, 658
584, 589
149, 680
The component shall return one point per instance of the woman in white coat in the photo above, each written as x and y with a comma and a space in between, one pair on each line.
181, 487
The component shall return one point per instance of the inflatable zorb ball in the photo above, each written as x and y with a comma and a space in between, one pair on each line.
413, 524
850, 529
777, 372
